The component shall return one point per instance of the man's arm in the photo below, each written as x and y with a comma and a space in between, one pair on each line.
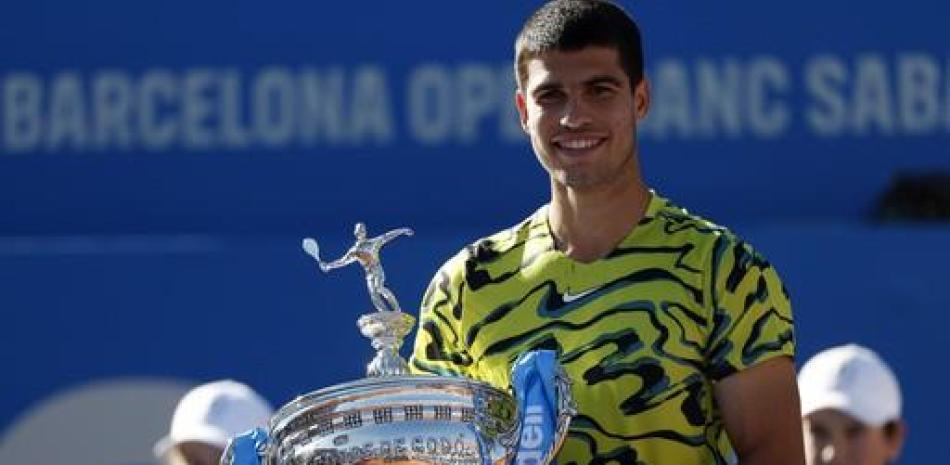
761, 413
750, 351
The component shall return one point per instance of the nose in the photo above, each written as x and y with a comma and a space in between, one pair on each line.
833, 454
827, 453
575, 114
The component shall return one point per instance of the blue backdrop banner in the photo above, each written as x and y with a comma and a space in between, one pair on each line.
245, 117
160, 161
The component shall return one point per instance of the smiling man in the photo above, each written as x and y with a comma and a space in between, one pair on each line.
677, 334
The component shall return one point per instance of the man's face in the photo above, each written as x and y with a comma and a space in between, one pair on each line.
581, 114
193, 453
833, 437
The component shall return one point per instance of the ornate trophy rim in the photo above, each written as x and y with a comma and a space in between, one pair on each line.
343, 392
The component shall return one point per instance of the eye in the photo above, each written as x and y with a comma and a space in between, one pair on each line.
549, 96
855, 430
603, 90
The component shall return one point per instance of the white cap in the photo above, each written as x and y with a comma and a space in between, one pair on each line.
852, 379
213, 413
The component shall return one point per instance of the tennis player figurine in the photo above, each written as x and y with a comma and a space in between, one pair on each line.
365, 252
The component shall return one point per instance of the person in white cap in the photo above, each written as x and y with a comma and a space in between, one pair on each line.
206, 418
851, 408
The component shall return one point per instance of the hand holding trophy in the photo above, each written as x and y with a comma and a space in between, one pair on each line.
393, 417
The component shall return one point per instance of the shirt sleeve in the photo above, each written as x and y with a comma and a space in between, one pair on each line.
751, 313
439, 347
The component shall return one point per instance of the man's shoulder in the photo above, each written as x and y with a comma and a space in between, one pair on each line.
670, 219
494, 248
717, 240
673, 225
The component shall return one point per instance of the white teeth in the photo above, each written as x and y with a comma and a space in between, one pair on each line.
579, 144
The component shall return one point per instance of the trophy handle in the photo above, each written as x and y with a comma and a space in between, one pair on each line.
566, 409
251, 448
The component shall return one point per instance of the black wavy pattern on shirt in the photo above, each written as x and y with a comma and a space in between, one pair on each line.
655, 395
719, 366
503, 310
646, 307
626, 341
442, 282
659, 344
720, 321
447, 325
667, 307
546, 342
760, 294
673, 227
652, 377
692, 406
503, 345
623, 455
743, 261
753, 348
435, 351
723, 323
682, 251
555, 307
649, 370
637, 277
484, 252
481, 254
439, 370
582, 422
656, 391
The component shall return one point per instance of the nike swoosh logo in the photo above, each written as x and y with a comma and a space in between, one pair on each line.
568, 297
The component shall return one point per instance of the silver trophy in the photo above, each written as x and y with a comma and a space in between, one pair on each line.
392, 417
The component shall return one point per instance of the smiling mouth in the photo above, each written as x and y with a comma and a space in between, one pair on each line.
578, 145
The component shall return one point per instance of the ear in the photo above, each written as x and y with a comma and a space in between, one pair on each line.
522, 106
896, 431
641, 98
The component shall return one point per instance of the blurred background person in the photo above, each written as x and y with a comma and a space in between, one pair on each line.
206, 418
851, 408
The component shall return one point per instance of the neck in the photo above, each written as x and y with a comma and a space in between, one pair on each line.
588, 224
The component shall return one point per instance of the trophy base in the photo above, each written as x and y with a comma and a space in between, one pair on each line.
386, 330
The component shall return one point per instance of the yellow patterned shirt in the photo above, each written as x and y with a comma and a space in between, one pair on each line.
644, 332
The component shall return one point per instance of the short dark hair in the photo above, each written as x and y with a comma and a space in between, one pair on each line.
571, 25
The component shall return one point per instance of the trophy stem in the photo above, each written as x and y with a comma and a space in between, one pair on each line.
386, 330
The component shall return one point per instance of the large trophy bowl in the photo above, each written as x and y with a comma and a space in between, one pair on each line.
393, 417
398, 419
